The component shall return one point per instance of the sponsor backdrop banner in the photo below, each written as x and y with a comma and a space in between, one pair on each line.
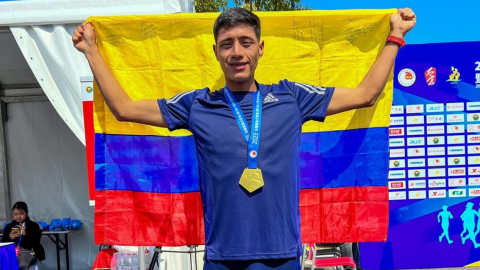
434, 176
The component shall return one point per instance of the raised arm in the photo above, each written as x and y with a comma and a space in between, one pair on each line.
122, 107
367, 92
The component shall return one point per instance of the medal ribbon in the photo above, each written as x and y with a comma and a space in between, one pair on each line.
253, 141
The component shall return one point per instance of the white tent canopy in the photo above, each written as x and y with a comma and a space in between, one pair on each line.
43, 29
42, 154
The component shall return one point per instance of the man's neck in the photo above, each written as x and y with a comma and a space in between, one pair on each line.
249, 86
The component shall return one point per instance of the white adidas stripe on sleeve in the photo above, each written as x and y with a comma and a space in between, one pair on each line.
312, 89
177, 97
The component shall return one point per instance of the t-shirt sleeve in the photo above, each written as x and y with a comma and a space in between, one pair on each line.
176, 110
312, 100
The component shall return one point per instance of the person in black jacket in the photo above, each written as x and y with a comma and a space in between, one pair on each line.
26, 234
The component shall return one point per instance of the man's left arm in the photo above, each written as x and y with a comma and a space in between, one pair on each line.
367, 92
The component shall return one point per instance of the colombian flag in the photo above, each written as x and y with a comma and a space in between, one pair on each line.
146, 180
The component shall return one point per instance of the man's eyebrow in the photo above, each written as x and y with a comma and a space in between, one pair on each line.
247, 37
226, 39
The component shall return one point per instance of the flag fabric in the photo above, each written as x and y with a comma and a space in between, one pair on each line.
146, 179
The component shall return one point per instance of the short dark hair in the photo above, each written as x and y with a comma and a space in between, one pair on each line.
236, 16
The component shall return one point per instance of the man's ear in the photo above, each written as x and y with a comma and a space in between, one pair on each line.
215, 51
261, 45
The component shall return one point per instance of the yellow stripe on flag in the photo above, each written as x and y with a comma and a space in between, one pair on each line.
159, 56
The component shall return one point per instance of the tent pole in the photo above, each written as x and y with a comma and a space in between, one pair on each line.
4, 161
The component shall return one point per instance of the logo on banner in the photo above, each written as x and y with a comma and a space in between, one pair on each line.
436, 162
396, 142
415, 108
415, 131
436, 151
397, 152
473, 128
406, 77
396, 110
455, 118
456, 150
457, 171
400, 195
475, 149
417, 184
455, 107
457, 193
474, 181
473, 139
435, 140
460, 182
474, 192
421, 194
396, 131
431, 76
435, 107
454, 77
416, 163
397, 184
416, 152
473, 106
437, 183
441, 193
395, 121
474, 171
435, 130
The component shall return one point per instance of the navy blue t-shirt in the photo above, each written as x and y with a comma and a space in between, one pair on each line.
240, 225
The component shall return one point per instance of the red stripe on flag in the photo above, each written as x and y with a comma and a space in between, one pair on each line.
90, 146
353, 214
329, 215
148, 219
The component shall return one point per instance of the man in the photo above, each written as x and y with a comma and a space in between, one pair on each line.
247, 138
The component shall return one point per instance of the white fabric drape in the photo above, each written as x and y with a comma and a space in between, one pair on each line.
43, 29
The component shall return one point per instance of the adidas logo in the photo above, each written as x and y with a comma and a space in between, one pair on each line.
269, 98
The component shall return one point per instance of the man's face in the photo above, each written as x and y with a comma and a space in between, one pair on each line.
238, 50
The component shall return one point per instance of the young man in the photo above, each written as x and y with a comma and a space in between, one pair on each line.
247, 138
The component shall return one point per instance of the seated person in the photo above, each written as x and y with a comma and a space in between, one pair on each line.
26, 234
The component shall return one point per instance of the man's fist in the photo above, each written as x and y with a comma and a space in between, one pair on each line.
402, 22
84, 38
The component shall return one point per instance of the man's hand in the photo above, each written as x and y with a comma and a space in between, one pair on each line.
84, 38
402, 22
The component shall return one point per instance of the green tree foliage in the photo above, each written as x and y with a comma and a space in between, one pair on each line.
254, 5
270, 5
210, 5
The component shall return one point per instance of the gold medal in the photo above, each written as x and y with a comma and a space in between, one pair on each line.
251, 179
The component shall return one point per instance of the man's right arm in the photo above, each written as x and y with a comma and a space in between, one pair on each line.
120, 104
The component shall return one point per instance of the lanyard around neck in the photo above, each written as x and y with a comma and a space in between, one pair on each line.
252, 138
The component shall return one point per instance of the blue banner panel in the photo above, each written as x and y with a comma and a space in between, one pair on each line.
434, 177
